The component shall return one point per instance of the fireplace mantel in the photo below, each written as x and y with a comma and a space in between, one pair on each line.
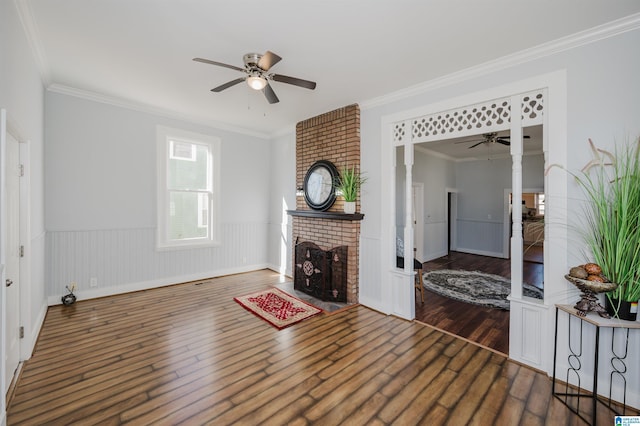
326, 215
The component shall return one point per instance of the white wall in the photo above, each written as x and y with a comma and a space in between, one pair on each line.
282, 197
21, 94
436, 174
602, 87
101, 201
481, 186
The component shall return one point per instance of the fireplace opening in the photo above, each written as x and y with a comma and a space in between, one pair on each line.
319, 273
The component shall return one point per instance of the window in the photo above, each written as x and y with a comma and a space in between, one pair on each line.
540, 203
188, 178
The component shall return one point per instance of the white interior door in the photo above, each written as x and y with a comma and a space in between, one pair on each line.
12, 293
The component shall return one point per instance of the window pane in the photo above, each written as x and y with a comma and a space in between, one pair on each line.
190, 174
186, 216
182, 150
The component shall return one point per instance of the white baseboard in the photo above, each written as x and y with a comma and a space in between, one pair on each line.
481, 252
432, 256
280, 270
146, 285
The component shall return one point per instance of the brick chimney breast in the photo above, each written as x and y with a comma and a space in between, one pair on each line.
333, 136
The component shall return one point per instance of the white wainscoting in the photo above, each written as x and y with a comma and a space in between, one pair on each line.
370, 281
482, 237
529, 320
126, 259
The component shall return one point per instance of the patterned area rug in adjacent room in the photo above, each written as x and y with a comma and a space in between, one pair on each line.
277, 307
475, 287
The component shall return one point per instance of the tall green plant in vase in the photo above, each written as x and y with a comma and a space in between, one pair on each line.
348, 184
611, 183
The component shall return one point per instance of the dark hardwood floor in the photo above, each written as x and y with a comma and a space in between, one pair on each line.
485, 326
188, 354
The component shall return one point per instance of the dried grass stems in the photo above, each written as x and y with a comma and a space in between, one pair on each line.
611, 182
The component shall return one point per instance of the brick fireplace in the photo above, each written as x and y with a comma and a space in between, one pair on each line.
333, 136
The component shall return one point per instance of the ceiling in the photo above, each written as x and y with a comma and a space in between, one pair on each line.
139, 52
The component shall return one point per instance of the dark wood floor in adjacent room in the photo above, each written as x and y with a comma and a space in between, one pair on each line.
188, 354
486, 326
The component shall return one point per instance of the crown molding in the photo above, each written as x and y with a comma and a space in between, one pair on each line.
25, 14
604, 31
135, 106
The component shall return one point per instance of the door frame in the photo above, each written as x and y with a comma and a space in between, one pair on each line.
418, 219
7, 126
451, 213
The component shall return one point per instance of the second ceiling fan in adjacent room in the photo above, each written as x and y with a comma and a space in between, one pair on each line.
491, 138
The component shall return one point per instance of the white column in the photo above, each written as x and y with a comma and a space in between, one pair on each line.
516, 198
408, 219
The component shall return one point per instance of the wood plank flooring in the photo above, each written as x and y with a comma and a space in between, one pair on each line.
188, 354
485, 326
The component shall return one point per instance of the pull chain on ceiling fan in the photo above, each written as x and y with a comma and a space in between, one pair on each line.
256, 67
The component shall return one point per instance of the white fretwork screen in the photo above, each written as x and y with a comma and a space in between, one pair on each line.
490, 116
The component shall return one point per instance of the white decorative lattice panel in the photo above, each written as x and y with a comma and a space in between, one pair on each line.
532, 108
398, 132
480, 118
491, 116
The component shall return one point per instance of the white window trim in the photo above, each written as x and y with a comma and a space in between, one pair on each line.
204, 202
163, 137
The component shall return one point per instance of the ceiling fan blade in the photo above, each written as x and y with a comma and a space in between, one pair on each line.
476, 140
479, 143
268, 60
227, 85
220, 64
295, 81
270, 94
503, 142
509, 137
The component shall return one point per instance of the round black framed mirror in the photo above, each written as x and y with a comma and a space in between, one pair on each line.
319, 190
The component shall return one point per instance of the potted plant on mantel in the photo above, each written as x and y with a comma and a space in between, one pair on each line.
348, 185
611, 183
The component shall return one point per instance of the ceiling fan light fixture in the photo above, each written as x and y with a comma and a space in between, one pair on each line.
256, 82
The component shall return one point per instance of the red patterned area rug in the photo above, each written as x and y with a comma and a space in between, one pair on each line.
277, 307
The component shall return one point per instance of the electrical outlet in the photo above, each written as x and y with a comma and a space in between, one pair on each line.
93, 282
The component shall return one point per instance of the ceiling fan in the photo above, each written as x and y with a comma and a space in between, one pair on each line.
491, 138
257, 75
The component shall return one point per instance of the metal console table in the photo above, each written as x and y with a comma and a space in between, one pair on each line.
619, 368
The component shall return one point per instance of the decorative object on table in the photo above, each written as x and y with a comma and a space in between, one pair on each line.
276, 307
70, 298
348, 184
590, 281
475, 287
319, 185
611, 183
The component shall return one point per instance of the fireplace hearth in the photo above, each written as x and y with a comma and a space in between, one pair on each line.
321, 273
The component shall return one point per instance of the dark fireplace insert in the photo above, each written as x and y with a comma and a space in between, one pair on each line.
319, 273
